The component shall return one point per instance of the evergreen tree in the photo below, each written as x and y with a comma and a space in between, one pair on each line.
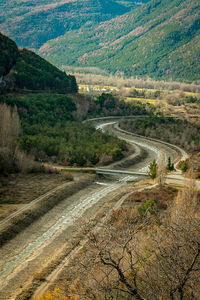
153, 169
170, 165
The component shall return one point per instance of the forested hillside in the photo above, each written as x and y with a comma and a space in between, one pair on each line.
46, 119
32, 23
24, 70
50, 132
160, 39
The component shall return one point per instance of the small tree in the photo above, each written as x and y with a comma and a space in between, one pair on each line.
170, 165
148, 207
184, 165
161, 168
153, 169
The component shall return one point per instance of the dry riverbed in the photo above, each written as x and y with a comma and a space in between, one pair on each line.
53, 227
17, 190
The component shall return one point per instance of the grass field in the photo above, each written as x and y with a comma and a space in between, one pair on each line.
87, 87
191, 94
151, 101
149, 96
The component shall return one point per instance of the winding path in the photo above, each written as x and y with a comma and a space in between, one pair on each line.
24, 255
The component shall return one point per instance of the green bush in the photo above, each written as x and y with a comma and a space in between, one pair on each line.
176, 131
107, 105
184, 165
148, 207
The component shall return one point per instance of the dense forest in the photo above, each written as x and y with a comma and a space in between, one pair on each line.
109, 105
158, 40
73, 144
32, 23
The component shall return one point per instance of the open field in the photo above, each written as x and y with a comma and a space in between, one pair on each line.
172, 102
119, 82
146, 95
146, 100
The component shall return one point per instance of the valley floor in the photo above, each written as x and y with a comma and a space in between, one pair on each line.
49, 243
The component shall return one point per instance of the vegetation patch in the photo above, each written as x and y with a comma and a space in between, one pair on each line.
50, 132
108, 105
175, 131
23, 70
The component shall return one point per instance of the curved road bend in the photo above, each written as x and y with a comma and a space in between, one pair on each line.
155, 149
21, 257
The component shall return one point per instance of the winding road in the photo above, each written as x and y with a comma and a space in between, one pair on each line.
38, 245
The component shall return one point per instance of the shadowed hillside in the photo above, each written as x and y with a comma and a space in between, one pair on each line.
24, 70
160, 39
32, 23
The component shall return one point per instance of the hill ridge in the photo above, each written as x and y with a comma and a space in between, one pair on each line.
32, 23
23, 70
144, 42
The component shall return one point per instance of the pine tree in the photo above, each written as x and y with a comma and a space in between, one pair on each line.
153, 169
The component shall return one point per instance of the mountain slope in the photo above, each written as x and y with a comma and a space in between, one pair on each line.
32, 23
24, 70
160, 39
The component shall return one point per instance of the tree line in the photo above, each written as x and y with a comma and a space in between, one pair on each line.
108, 105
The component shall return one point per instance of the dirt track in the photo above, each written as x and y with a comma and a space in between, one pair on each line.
54, 234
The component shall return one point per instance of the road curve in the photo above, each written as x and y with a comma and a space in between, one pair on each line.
156, 149
18, 255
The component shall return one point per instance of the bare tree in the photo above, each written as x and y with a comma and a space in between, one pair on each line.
9, 125
176, 270
161, 169
151, 259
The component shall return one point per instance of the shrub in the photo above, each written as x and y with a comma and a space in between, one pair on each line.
148, 207
170, 165
153, 169
184, 165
